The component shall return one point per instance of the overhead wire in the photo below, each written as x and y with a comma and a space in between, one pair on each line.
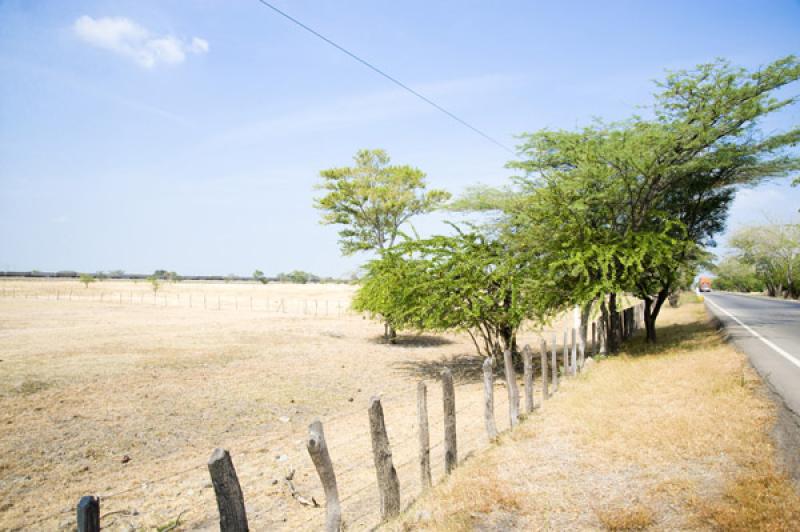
389, 77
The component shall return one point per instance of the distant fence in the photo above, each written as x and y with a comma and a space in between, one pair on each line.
554, 363
279, 305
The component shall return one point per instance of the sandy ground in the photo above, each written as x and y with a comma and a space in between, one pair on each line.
115, 391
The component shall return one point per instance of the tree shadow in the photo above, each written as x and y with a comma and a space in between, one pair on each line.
416, 340
465, 368
681, 336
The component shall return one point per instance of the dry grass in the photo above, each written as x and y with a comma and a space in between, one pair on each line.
84, 383
674, 437
632, 517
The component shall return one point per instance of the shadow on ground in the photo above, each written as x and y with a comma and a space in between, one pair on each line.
416, 340
685, 336
465, 368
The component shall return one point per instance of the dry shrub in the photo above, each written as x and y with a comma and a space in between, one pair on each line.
761, 500
635, 517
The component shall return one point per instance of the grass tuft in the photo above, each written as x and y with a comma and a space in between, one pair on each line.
635, 517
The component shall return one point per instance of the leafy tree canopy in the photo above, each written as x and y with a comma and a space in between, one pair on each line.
373, 199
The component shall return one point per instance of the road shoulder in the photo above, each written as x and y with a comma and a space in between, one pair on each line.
786, 431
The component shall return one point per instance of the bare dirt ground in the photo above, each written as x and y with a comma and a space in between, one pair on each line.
115, 391
667, 437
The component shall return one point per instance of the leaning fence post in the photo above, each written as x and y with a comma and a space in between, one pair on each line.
388, 483
527, 378
554, 362
318, 450
230, 501
543, 363
488, 398
449, 402
89, 514
511, 384
424, 436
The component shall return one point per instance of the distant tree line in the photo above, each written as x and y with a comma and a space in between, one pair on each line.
764, 258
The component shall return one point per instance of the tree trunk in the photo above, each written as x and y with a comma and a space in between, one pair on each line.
614, 331
389, 333
651, 309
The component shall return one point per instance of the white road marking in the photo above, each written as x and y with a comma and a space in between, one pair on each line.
775, 348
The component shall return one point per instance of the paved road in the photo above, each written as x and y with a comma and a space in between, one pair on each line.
769, 332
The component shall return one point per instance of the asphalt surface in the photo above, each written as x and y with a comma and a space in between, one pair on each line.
768, 331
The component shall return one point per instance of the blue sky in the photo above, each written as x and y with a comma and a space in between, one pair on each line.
188, 136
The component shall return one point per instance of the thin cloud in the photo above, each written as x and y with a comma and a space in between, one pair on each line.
125, 37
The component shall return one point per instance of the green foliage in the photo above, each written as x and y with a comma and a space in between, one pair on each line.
258, 275
155, 283
466, 282
773, 252
298, 277
733, 275
373, 199
86, 279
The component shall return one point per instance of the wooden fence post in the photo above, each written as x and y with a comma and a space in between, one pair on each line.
511, 384
554, 362
581, 355
449, 402
89, 514
388, 483
230, 501
488, 398
318, 450
527, 377
543, 364
424, 436
565, 355
593, 351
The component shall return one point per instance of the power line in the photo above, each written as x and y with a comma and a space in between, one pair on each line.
390, 78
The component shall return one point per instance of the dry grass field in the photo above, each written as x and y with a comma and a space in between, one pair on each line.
110, 390
674, 437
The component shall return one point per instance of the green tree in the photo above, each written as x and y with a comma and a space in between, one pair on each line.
258, 275
736, 276
656, 191
466, 282
155, 282
773, 251
373, 199
86, 279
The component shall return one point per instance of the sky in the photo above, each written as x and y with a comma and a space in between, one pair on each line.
188, 136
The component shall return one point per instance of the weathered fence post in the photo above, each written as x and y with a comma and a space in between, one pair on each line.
573, 360
543, 364
488, 398
424, 436
318, 450
449, 402
511, 384
89, 514
554, 362
593, 351
230, 501
388, 483
527, 377
565, 355
581, 355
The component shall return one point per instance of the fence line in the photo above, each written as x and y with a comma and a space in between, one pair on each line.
229, 493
